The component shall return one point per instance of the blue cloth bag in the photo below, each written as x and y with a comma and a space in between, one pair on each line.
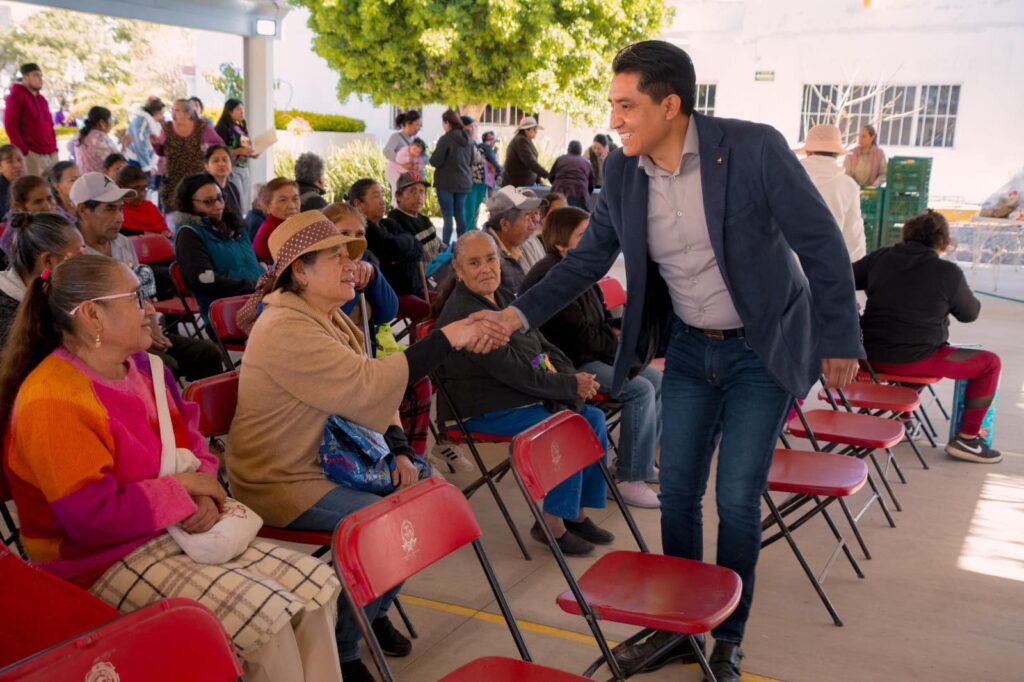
359, 458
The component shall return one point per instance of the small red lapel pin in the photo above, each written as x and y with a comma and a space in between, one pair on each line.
719, 161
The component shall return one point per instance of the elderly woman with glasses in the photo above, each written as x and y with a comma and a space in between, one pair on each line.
211, 245
306, 385
93, 507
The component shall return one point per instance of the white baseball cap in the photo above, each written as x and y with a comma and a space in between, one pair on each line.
509, 197
97, 187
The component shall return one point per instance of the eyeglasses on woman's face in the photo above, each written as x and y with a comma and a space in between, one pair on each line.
139, 296
211, 201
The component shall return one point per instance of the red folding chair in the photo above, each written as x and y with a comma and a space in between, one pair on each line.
226, 330
917, 383
40, 610
653, 591
188, 302
613, 292
857, 435
459, 433
386, 543
817, 477
169, 641
217, 397
156, 249
881, 400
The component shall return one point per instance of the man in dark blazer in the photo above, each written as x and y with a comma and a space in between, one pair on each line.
712, 216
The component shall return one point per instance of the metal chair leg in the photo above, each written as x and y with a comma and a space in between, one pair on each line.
405, 618
855, 528
885, 481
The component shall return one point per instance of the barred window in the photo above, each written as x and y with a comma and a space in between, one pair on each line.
851, 107
504, 116
936, 121
705, 103
903, 115
898, 104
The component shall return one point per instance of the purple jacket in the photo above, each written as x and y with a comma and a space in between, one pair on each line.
572, 176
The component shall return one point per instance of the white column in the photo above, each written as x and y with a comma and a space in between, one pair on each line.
258, 68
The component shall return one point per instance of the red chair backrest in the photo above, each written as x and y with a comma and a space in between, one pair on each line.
421, 329
217, 397
549, 452
222, 317
614, 294
39, 610
173, 639
152, 248
382, 545
179, 280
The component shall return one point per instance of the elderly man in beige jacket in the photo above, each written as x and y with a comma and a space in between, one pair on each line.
823, 145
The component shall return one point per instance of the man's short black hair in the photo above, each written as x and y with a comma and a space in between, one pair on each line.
28, 68
112, 159
664, 70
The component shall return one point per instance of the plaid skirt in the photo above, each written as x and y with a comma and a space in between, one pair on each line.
415, 414
254, 595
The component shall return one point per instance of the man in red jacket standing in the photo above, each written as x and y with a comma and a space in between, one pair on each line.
28, 122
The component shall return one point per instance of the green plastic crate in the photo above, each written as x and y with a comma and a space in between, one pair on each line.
871, 204
898, 208
908, 174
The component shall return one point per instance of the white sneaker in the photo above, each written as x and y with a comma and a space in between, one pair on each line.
638, 494
449, 456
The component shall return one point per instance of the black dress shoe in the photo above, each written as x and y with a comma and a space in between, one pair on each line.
631, 658
392, 642
356, 671
589, 531
725, 662
570, 543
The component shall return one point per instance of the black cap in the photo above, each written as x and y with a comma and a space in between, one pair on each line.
26, 69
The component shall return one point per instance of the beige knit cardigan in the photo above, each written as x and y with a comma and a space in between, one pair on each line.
301, 366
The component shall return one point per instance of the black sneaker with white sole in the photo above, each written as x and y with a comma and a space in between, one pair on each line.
973, 450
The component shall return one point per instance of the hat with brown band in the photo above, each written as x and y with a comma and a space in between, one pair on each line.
301, 234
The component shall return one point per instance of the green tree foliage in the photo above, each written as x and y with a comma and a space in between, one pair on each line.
227, 80
96, 60
535, 54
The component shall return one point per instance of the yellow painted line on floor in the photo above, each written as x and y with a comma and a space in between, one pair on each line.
540, 629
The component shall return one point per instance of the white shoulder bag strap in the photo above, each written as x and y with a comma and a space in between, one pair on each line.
168, 451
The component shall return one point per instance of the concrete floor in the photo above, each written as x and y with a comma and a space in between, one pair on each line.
943, 598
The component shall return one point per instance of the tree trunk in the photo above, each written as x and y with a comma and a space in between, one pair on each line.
474, 110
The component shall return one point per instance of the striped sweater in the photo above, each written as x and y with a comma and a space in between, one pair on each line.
82, 455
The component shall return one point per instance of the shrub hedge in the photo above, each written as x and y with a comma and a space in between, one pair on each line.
331, 123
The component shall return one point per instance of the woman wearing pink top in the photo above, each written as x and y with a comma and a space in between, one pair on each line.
93, 143
866, 163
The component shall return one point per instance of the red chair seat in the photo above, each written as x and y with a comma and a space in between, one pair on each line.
174, 307
898, 378
816, 473
877, 397
656, 591
455, 436
859, 430
658, 364
497, 669
299, 537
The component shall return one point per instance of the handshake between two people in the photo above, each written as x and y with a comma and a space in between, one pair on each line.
483, 331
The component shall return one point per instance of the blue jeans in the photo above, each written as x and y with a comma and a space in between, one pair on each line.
453, 205
717, 393
586, 488
640, 427
325, 515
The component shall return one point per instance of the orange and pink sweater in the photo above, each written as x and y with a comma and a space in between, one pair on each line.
82, 455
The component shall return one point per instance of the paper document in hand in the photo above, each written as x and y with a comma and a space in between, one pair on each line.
264, 140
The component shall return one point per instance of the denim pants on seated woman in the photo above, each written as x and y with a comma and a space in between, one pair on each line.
453, 205
585, 488
640, 426
717, 394
325, 515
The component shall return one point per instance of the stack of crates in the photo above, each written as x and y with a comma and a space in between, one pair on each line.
906, 195
871, 199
